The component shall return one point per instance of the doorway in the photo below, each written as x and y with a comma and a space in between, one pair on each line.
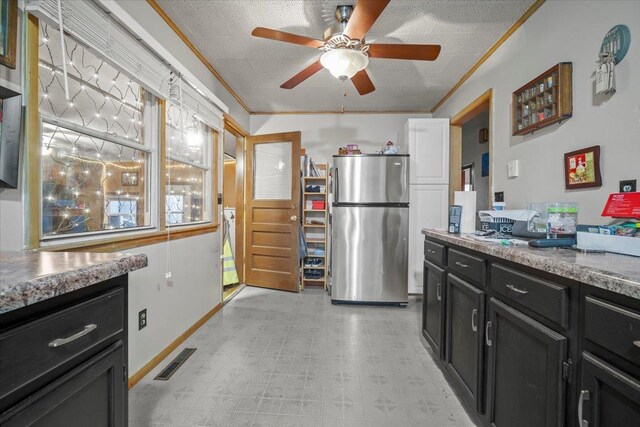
470, 152
233, 208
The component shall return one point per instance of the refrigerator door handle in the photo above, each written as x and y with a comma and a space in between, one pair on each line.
336, 187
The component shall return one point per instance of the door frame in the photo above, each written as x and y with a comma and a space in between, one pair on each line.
481, 104
234, 128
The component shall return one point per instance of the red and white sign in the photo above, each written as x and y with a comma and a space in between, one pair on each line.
623, 205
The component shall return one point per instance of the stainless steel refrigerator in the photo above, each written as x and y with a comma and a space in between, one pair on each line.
369, 228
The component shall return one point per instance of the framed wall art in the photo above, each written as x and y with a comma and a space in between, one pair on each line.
582, 168
485, 164
129, 179
8, 32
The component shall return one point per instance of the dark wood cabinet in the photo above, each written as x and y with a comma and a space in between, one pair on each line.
433, 307
63, 361
525, 370
464, 335
608, 396
89, 395
529, 348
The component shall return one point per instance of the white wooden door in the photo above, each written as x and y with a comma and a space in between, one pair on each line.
429, 151
428, 205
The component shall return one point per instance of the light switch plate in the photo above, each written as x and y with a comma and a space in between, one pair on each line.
513, 168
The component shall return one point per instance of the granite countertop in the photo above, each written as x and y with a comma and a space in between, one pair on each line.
30, 277
617, 273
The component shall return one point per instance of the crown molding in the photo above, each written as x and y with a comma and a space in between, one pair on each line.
535, 6
154, 4
291, 113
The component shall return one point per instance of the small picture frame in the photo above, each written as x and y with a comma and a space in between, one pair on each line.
582, 168
8, 32
483, 135
129, 179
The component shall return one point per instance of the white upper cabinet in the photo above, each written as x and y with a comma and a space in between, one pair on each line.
427, 142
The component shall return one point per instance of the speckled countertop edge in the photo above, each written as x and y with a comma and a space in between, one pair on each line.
550, 262
37, 289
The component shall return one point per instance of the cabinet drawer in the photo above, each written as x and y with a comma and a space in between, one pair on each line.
613, 327
30, 351
434, 252
548, 299
469, 266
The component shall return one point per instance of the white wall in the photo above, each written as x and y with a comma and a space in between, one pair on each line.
472, 152
562, 31
171, 310
323, 134
11, 207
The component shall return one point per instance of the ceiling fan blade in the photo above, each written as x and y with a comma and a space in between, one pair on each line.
302, 75
364, 15
267, 33
363, 83
420, 52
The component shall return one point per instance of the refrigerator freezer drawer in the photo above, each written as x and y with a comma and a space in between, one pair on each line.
369, 254
371, 179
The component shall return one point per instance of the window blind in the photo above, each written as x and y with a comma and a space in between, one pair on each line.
196, 103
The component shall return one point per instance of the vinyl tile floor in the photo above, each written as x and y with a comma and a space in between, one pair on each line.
271, 358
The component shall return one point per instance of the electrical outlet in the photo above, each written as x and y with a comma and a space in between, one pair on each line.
142, 319
628, 186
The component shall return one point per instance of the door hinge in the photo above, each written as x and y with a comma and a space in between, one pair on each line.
125, 377
567, 370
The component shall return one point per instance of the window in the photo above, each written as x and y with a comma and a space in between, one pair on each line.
189, 143
96, 159
467, 177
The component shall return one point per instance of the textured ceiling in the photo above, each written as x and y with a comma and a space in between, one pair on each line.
255, 68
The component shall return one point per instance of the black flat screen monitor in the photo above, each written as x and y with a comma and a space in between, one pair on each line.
10, 126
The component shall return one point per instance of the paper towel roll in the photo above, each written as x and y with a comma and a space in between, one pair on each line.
466, 199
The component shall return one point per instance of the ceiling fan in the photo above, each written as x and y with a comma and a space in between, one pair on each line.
346, 54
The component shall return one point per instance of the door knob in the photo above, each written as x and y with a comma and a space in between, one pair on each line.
293, 218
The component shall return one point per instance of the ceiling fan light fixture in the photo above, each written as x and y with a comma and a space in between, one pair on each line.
344, 63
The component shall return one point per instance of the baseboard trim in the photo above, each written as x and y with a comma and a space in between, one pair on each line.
135, 378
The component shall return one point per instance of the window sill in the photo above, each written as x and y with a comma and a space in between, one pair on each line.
120, 243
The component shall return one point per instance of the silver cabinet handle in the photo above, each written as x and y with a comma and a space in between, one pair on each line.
584, 395
486, 333
62, 341
636, 343
474, 320
439, 291
516, 290
431, 251
461, 264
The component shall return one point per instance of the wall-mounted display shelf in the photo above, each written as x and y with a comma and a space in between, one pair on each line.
545, 100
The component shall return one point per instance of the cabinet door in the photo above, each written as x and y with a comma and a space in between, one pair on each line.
433, 307
427, 209
92, 394
429, 151
464, 335
610, 398
525, 360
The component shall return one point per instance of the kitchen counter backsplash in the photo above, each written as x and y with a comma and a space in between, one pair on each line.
617, 273
30, 277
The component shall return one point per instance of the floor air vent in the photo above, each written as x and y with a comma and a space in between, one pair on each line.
175, 364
